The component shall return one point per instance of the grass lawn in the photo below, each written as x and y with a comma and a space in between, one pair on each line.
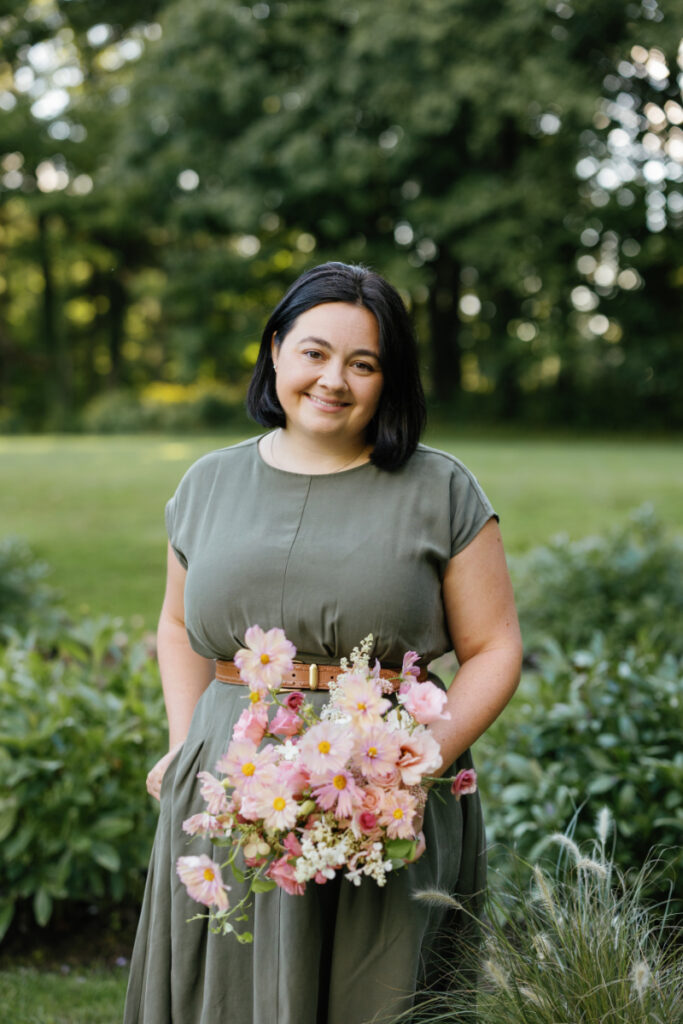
93, 506
50, 997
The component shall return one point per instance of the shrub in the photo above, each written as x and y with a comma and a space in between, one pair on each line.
165, 407
78, 733
588, 727
26, 601
627, 584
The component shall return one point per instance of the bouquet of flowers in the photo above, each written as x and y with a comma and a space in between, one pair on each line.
304, 795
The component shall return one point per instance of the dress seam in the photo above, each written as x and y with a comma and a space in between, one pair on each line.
289, 554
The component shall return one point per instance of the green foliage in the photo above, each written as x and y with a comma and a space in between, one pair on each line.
169, 408
25, 599
79, 730
587, 727
626, 584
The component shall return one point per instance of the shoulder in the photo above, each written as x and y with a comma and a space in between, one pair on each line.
435, 464
231, 459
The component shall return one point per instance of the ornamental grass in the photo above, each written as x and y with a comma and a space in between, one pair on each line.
578, 946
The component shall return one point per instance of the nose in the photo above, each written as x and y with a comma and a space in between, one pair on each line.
333, 375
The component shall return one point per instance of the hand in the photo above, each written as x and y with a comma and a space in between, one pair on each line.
156, 774
419, 835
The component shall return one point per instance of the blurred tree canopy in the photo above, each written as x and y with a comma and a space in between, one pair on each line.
515, 168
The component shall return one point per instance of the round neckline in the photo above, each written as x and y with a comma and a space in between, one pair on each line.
307, 476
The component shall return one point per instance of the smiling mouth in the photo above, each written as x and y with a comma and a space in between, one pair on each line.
323, 403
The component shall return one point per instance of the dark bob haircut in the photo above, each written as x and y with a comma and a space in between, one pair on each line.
395, 429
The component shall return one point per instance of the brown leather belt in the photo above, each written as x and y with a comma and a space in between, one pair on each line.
307, 677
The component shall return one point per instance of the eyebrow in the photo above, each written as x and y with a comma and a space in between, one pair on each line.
326, 344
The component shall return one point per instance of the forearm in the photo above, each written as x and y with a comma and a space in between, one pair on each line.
184, 677
480, 690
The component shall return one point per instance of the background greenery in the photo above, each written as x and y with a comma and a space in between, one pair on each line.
93, 507
167, 169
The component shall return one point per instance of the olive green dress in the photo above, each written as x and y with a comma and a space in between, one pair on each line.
329, 558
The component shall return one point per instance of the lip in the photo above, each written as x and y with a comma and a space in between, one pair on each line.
325, 405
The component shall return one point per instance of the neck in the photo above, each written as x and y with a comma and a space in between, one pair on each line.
292, 452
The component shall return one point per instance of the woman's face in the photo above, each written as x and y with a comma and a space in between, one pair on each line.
328, 376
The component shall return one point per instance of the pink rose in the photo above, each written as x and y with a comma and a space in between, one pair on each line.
294, 700
367, 821
252, 723
425, 702
373, 799
282, 873
285, 723
254, 862
420, 755
389, 779
464, 782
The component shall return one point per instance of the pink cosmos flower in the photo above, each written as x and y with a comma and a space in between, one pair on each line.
213, 792
203, 824
285, 723
465, 782
361, 698
424, 701
266, 657
398, 813
242, 762
409, 672
325, 748
273, 801
252, 723
282, 873
420, 755
339, 793
376, 751
202, 878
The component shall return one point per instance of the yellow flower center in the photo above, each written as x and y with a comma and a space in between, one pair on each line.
265, 659
248, 768
279, 803
361, 706
372, 751
254, 697
324, 747
209, 875
339, 782
398, 813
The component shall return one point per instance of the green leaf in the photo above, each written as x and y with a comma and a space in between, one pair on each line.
105, 855
262, 885
239, 875
401, 849
6, 915
8, 814
42, 906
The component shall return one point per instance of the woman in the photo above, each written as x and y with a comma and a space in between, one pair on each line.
333, 525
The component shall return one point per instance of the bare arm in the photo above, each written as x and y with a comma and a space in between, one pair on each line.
184, 673
482, 621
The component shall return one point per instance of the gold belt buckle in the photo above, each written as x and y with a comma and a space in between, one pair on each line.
313, 677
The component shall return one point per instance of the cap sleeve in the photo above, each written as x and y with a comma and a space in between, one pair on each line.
470, 508
171, 516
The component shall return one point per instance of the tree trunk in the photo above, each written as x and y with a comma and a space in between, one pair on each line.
117, 310
57, 390
444, 329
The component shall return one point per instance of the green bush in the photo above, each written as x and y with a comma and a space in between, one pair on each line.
79, 730
585, 729
26, 601
165, 407
627, 584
